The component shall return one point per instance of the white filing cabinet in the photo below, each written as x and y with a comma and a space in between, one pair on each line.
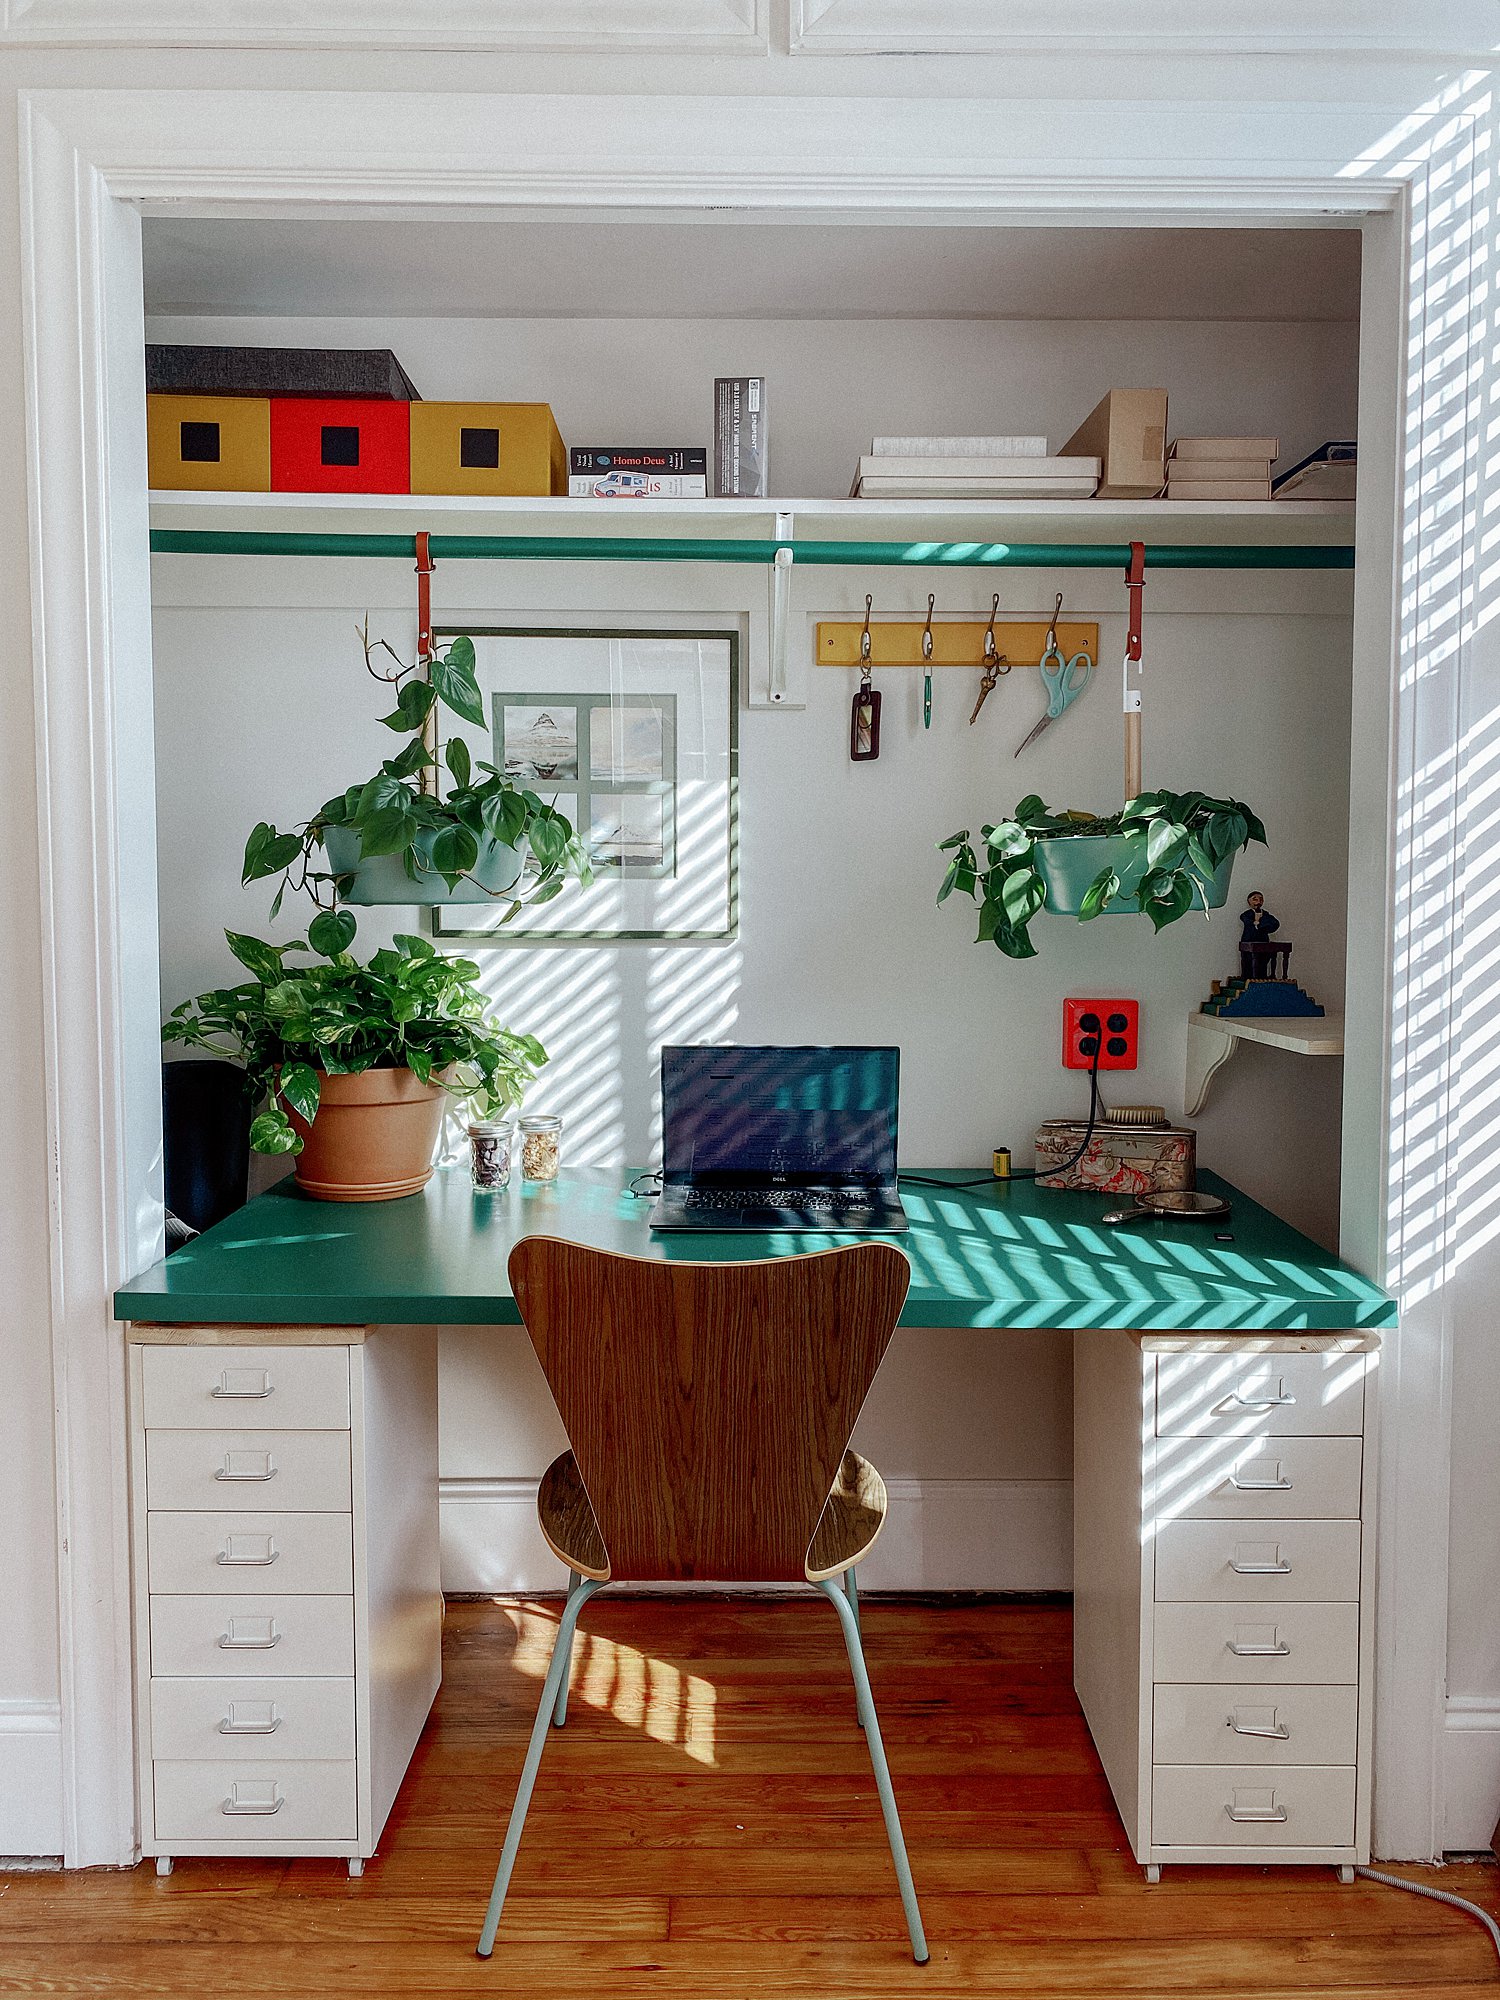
1224, 1589
288, 1614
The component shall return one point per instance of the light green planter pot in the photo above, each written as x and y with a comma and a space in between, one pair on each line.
1069, 862
383, 879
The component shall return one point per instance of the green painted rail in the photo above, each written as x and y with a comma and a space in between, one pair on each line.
846, 555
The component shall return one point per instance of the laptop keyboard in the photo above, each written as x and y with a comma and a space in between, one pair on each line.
820, 1201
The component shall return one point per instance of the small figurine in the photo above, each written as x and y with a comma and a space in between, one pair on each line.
1257, 928
1264, 985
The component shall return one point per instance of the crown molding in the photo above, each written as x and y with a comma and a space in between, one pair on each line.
587, 26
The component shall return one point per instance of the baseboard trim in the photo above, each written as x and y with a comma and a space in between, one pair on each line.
940, 1534
1471, 1772
31, 1778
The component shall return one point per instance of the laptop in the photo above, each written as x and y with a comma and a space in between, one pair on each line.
783, 1139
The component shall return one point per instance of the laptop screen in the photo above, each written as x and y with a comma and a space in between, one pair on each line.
807, 1113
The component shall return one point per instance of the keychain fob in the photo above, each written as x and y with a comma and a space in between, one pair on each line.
864, 725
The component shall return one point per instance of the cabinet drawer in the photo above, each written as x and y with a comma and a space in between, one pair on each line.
1266, 1479
1273, 1562
1257, 1642
259, 1471
286, 1553
242, 1802
1224, 1806
1248, 1395
1240, 1723
288, 1720
233, 1636
245, 1388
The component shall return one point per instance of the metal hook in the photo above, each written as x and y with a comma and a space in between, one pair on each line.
1052, 628
927, 629
864, 643
993, 657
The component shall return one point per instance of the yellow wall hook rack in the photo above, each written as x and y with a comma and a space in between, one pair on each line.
956, 642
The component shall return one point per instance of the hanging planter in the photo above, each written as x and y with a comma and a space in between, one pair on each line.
384, 878
1167, 853
394, 840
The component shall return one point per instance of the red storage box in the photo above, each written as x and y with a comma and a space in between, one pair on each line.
339, 445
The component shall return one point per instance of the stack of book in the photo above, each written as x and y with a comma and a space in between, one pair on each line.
1221, 468
638, 472
970, 468
1325, 474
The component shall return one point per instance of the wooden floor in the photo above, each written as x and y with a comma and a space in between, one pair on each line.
706, 1826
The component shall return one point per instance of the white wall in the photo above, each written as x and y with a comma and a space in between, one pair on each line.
263, 710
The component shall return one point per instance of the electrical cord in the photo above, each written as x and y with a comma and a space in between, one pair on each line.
1031, 1173
1436, 1896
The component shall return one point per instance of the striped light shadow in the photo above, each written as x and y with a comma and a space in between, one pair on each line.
634, 1688
569, 998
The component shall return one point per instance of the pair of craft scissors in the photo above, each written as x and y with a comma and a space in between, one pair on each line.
1065, 678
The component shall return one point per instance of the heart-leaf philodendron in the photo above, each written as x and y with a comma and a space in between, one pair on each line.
1181, 838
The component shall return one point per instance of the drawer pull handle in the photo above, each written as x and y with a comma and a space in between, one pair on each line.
1277, 1651
1260, 1485
229, 1727
1276, 1731
1244, 1402
1260, 1569
227, 1561
233, 1642
255, 1809
1257, 1815
228, 1474
226, 1393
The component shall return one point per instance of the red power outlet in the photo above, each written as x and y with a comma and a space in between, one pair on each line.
1120, 1023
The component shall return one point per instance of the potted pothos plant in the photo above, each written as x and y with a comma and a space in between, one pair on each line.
351, 1061
393, 839
1166, 853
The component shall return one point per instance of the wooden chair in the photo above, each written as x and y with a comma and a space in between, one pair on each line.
710, 1408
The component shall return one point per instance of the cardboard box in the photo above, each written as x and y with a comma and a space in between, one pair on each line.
371, 373
1127, 433
209, 444
339, 446
512, 448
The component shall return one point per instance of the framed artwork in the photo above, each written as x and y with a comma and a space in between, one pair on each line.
634, 735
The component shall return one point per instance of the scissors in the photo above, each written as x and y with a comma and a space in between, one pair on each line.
1065, 678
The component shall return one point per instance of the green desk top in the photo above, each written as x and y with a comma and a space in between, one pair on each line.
1001, 1255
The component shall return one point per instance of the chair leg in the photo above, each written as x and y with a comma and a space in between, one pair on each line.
839, 1599
557, 1673
560, 1713
851, 1591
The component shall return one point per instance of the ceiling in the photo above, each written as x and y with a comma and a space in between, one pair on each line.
528, 265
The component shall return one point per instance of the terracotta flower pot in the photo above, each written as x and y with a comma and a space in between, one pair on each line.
373, 1137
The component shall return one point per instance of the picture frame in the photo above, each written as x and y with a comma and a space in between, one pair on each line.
633, 732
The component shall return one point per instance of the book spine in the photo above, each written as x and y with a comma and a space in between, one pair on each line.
740, 470
637, 486
638, 458
1016, 466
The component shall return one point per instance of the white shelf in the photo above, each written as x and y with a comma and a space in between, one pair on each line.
1263, 523
1212, 1040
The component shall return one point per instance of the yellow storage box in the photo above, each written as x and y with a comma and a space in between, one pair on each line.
486, 448
218, 444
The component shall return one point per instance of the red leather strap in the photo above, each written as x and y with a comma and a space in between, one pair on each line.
1135, 581
424, 597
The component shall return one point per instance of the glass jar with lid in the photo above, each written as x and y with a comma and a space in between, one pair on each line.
541, 1146
489, 1154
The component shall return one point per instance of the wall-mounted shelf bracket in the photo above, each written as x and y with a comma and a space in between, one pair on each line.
1212, 1040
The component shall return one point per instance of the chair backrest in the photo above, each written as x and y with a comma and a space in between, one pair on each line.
708, 1405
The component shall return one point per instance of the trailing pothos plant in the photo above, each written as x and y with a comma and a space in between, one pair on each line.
392, 813
291, 1024
1173, 841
